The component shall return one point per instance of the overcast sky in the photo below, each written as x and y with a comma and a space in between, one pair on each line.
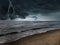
41, 17
31, 10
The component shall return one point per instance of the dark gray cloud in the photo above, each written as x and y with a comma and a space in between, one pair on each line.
24, 8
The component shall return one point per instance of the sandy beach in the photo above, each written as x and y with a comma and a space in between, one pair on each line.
48, 38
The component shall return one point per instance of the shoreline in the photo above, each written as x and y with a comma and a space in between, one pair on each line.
48, 38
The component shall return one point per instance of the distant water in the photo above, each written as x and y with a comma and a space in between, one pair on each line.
14, 30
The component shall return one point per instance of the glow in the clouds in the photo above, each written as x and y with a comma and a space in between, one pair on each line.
37, 17
41, 17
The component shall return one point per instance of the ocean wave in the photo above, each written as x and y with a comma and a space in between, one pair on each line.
14, 30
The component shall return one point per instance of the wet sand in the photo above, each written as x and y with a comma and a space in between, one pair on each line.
48, 38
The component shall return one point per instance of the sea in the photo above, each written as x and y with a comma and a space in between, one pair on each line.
14, 30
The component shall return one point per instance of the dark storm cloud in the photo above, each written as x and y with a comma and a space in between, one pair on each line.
40, 5
23, 7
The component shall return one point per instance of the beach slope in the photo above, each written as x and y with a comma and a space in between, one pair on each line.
48, 38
